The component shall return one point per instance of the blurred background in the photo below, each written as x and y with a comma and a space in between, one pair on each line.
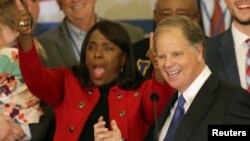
137, 12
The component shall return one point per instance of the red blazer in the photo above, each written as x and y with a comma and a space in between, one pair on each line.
132, 110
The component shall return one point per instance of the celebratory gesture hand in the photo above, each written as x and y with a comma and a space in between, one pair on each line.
151, 53
23, 19
24, 24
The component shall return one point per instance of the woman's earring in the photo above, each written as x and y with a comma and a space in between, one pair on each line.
121, 70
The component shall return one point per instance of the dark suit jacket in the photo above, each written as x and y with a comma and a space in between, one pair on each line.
217, 102
220, 57
44, 130
58, 47
143, 63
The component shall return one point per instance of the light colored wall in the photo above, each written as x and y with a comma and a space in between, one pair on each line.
125, 9
137, 12
111, 9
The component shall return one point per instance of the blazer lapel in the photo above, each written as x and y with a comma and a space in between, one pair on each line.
228, 57
198, 109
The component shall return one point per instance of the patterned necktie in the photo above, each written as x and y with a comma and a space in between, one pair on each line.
217, 20
248, 65
178, 115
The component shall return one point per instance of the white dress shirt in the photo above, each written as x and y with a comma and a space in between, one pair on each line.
76, 37
241, 50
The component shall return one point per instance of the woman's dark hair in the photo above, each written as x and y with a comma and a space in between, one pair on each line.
130, 77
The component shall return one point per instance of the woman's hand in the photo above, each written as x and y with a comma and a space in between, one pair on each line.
23, 20
101, 133
23, 24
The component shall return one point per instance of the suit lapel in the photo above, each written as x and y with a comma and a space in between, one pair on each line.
198, 109
166, 111
165, 114
65, 48
228, 57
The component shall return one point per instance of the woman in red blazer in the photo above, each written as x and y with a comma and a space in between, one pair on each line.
105, 83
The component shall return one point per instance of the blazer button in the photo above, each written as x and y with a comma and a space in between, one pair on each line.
90, 92
122, 113
136, 94
81, 104
119, 96
71, 129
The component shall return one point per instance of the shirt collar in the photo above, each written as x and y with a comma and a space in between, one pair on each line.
75, 31
239, 38
193, 89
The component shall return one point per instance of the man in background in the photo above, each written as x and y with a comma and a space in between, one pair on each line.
201, 97
63, 44
215, 16
20, 103
163, 9
227, 53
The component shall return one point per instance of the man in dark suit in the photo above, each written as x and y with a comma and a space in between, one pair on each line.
63, 44
227, 53
210, 8
163, 9
207, 99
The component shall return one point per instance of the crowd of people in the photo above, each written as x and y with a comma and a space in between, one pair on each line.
27, 115
63, 44
95, 79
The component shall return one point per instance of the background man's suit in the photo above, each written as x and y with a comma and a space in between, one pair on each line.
59, 49
217, 102
220, 57
206, 14
143, 63
44, 130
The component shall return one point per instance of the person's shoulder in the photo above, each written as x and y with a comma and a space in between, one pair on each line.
141, 46
136, 33
238, 96
52, 33
219, 37
214, 39
215, 83
230, 88
216, 43
131, 27
143, 42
